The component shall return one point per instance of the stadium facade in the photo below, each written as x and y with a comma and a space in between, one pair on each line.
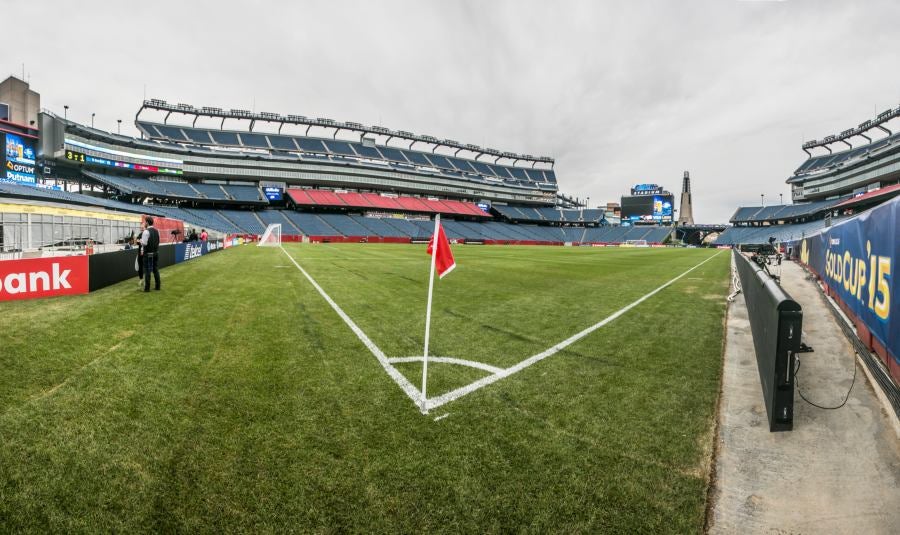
236, 171
844, 174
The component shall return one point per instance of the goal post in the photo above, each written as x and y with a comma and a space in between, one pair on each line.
637, 243
271, 237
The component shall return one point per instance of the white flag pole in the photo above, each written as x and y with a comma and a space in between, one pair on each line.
434, 249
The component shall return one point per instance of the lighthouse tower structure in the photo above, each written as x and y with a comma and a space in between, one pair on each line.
686, 214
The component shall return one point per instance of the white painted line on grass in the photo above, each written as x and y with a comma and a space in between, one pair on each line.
468, 389
441, 417
414, 394
496, 373
450, 360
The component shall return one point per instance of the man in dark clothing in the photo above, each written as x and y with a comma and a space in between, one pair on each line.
150, 253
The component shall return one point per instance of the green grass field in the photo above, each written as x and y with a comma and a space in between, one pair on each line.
237, 400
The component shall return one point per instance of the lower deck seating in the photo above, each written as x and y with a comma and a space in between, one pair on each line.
761, 235
244, 220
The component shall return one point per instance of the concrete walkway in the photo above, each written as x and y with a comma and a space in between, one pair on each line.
838, 471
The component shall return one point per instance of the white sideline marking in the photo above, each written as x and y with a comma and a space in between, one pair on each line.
450, 360
441, 417
414, 394
497, 373
468, 389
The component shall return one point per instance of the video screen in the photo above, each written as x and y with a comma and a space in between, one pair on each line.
272, 193
649, 208
19, 161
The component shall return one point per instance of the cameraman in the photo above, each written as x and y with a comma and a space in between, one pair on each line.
150, 253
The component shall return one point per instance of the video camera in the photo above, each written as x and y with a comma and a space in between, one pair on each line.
765, 255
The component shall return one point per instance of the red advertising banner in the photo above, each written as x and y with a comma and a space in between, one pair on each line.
165, 226
43, 277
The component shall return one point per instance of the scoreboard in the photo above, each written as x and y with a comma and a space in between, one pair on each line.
648, 203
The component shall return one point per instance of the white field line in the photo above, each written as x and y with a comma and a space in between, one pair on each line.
468, 389
450, 360
414, 394
497, 373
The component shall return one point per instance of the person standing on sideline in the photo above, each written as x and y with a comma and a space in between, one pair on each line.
203, 235
150, 253
139, 260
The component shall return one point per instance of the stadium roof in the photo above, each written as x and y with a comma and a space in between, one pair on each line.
860, 130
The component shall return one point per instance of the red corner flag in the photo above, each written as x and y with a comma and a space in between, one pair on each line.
443, 261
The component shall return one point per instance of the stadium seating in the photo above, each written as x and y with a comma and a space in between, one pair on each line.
314, 197
339, 224
281, 143
344, 224
817, 164
378, 227
408, 227
324, 197
761, 235
51, 195
272, 217
380, 201
247, 221
210, 191
412, 204
212, 219
178, 190
778, 212
311, 224
546, 213
244, 193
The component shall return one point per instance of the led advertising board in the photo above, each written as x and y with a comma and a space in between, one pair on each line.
273, 193
80, 157
648, 208
18, 159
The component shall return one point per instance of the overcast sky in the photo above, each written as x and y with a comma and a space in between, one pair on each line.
618, 92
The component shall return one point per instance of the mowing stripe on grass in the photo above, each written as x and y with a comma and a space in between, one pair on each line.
411, 391
468, 389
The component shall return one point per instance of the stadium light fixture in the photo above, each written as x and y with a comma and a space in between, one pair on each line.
66, 112
92, 119
119, 130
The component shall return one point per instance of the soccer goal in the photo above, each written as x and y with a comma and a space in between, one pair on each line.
272, 236
637, 243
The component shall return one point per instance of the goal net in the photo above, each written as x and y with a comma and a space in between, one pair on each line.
636, 243
272, 236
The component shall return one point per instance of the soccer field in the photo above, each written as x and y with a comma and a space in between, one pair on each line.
238, 399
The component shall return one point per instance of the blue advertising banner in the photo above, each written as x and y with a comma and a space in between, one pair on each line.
195, 249
856, 259
190, 250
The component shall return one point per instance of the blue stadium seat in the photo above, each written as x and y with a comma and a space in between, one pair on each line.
254, 140
246, 221
340, 147
243, 193
311, 145
225, 138
344, 224
311, 224
282, 142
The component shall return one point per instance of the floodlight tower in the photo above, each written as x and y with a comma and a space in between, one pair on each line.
686, 214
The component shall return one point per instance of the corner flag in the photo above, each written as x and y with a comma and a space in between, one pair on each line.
442, 260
